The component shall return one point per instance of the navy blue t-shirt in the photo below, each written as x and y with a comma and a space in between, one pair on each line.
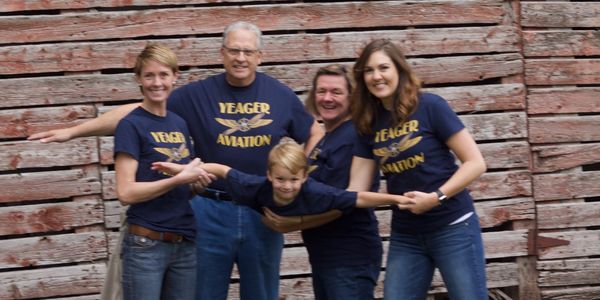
352, 239
237, 126
314, 197
149, 138
414, 157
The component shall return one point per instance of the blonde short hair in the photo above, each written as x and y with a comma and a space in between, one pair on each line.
288, 154
156, 52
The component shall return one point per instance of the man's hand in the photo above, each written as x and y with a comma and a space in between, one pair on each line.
56, 135
279, 223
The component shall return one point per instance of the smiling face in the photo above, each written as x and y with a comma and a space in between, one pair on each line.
332, 100
241, 56
156, 81
286, 184
381, 76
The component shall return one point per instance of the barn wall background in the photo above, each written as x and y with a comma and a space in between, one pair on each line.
524, 76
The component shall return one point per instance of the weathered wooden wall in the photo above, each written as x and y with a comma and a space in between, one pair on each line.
523, 75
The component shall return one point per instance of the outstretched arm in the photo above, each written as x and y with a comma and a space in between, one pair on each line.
104, 124
292, 223
371, 199
130, 191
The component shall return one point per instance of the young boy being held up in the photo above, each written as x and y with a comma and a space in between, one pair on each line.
287, 190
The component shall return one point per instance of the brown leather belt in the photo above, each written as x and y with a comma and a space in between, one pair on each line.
170, 237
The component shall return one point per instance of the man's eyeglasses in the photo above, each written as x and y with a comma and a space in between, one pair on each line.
236, 51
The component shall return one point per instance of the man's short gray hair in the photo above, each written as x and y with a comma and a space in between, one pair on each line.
243, 25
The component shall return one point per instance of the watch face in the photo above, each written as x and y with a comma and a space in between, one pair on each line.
441, 195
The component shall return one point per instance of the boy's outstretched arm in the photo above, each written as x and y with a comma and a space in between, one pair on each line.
371, 199
104, 124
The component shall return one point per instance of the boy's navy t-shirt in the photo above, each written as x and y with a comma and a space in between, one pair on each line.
314, 197
352, 239
150, 138
238, 126
414, 157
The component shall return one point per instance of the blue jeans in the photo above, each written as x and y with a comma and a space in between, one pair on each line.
456, 250
154, 270
229, 233
348, 283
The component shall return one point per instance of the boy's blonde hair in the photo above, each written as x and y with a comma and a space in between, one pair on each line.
157, 52
289, 155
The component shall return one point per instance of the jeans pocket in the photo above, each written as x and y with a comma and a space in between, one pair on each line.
141, 242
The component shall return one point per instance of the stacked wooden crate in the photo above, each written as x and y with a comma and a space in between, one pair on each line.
561, 45
528, 97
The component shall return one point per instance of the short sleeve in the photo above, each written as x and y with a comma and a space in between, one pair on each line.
127, 140
444, 120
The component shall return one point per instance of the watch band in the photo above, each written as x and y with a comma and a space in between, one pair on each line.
441, 196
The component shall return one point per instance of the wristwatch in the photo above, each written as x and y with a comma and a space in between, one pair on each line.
441, 196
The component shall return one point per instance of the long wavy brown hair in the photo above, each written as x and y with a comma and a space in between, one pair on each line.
406, 97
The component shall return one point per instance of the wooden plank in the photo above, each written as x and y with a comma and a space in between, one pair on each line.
562, 71
498, 212
506, 184
568, 215
561, 43
84, 88
467, 68
496, 126
494, 97
500, 244
106, 152
566, 185
581, 243
560, 14
563, 100
30, 154
49, 282
53, 249
558, 129
32, 5
47, 185
212, 20
505, 155
571, 293
89, 56
109, 185
569, 272
112, 214
18, 123
50, 217
562, 157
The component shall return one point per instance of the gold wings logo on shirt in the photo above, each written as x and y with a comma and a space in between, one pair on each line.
243, 124
395, 148
312, 168
174, 154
